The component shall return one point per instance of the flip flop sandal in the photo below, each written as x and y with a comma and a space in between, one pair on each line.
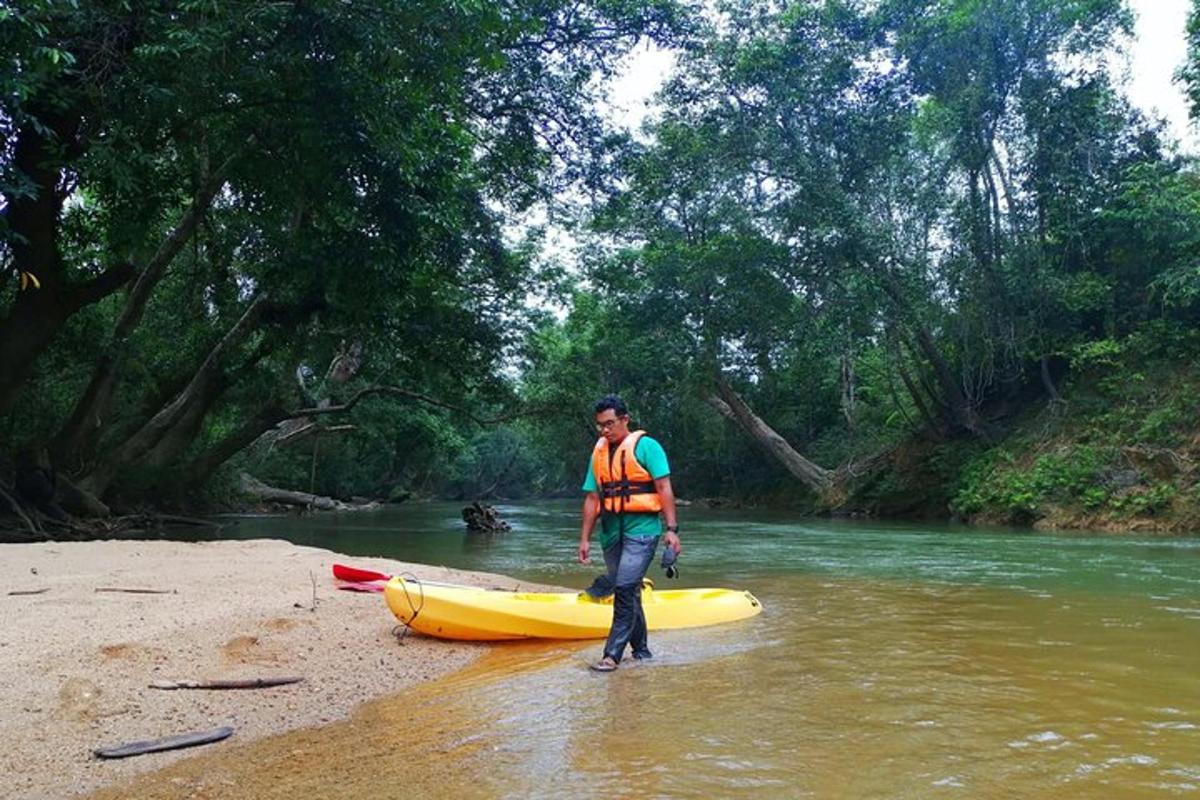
604, 665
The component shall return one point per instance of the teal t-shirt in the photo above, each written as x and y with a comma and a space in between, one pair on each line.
650, 455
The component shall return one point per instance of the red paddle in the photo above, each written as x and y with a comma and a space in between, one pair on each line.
369, 576
374, 586
356, 575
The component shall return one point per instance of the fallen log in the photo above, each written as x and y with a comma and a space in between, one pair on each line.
165, 743
238, 683
258, 490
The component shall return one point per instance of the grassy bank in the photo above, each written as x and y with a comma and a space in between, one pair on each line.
1119, 452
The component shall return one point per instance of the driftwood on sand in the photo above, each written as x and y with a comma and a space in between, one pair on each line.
165, 743
237, 683
134, 590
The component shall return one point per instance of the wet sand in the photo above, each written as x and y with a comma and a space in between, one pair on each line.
77, 663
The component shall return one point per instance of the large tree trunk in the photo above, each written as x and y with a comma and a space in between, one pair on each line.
964, 412
203, 466
46, 144
178, 411
849, 392
831, 486
79, 502
911, 387
950, 395
730, 404
1048, 380
24, 334
179, 437
37, 314
176, 439
76, 441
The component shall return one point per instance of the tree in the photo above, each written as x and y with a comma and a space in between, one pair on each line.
279, 177
907, 183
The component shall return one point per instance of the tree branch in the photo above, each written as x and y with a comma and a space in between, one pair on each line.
395, 391
407, 394
102, 285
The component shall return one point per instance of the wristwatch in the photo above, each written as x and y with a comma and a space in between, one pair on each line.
672, 529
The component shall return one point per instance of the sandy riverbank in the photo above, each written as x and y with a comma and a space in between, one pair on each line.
76, 663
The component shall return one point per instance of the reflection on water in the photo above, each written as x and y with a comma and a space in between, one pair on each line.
887, 663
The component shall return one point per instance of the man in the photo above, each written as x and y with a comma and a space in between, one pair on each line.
628, 485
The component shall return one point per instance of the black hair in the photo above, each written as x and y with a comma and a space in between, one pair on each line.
614, 402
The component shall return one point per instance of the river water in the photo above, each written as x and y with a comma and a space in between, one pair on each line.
891, 661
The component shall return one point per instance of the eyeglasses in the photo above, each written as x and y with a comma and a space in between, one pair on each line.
608, 424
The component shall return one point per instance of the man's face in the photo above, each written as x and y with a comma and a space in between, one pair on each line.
612, 427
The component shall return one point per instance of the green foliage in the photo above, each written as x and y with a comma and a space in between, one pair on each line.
1189, 73
369, 160
1118, 449
1149, 502
1084, 291
1101, 352
782, 215
995, 482
1159, 424
883, 224
498, 463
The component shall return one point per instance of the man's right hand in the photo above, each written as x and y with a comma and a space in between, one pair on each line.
585, 551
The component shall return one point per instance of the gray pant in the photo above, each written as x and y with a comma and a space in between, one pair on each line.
627, 561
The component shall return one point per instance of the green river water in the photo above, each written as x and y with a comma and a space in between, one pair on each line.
891, 661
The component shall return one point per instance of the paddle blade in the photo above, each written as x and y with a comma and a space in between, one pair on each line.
344, 573
361, 587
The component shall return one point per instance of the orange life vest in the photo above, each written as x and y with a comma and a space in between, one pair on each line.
624, 485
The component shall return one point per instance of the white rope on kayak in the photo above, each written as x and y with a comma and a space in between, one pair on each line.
404, 627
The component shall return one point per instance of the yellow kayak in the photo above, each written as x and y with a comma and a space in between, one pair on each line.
464, 612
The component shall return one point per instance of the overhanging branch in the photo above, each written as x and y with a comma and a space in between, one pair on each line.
407, 394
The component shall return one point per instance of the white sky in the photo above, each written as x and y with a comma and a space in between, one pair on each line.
631, 95
1158, 49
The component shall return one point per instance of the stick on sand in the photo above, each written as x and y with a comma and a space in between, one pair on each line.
165, 743
243, 683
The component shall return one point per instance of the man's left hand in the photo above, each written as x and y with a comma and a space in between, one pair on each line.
672, 541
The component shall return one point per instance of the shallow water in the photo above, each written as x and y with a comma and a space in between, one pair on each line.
890, 661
